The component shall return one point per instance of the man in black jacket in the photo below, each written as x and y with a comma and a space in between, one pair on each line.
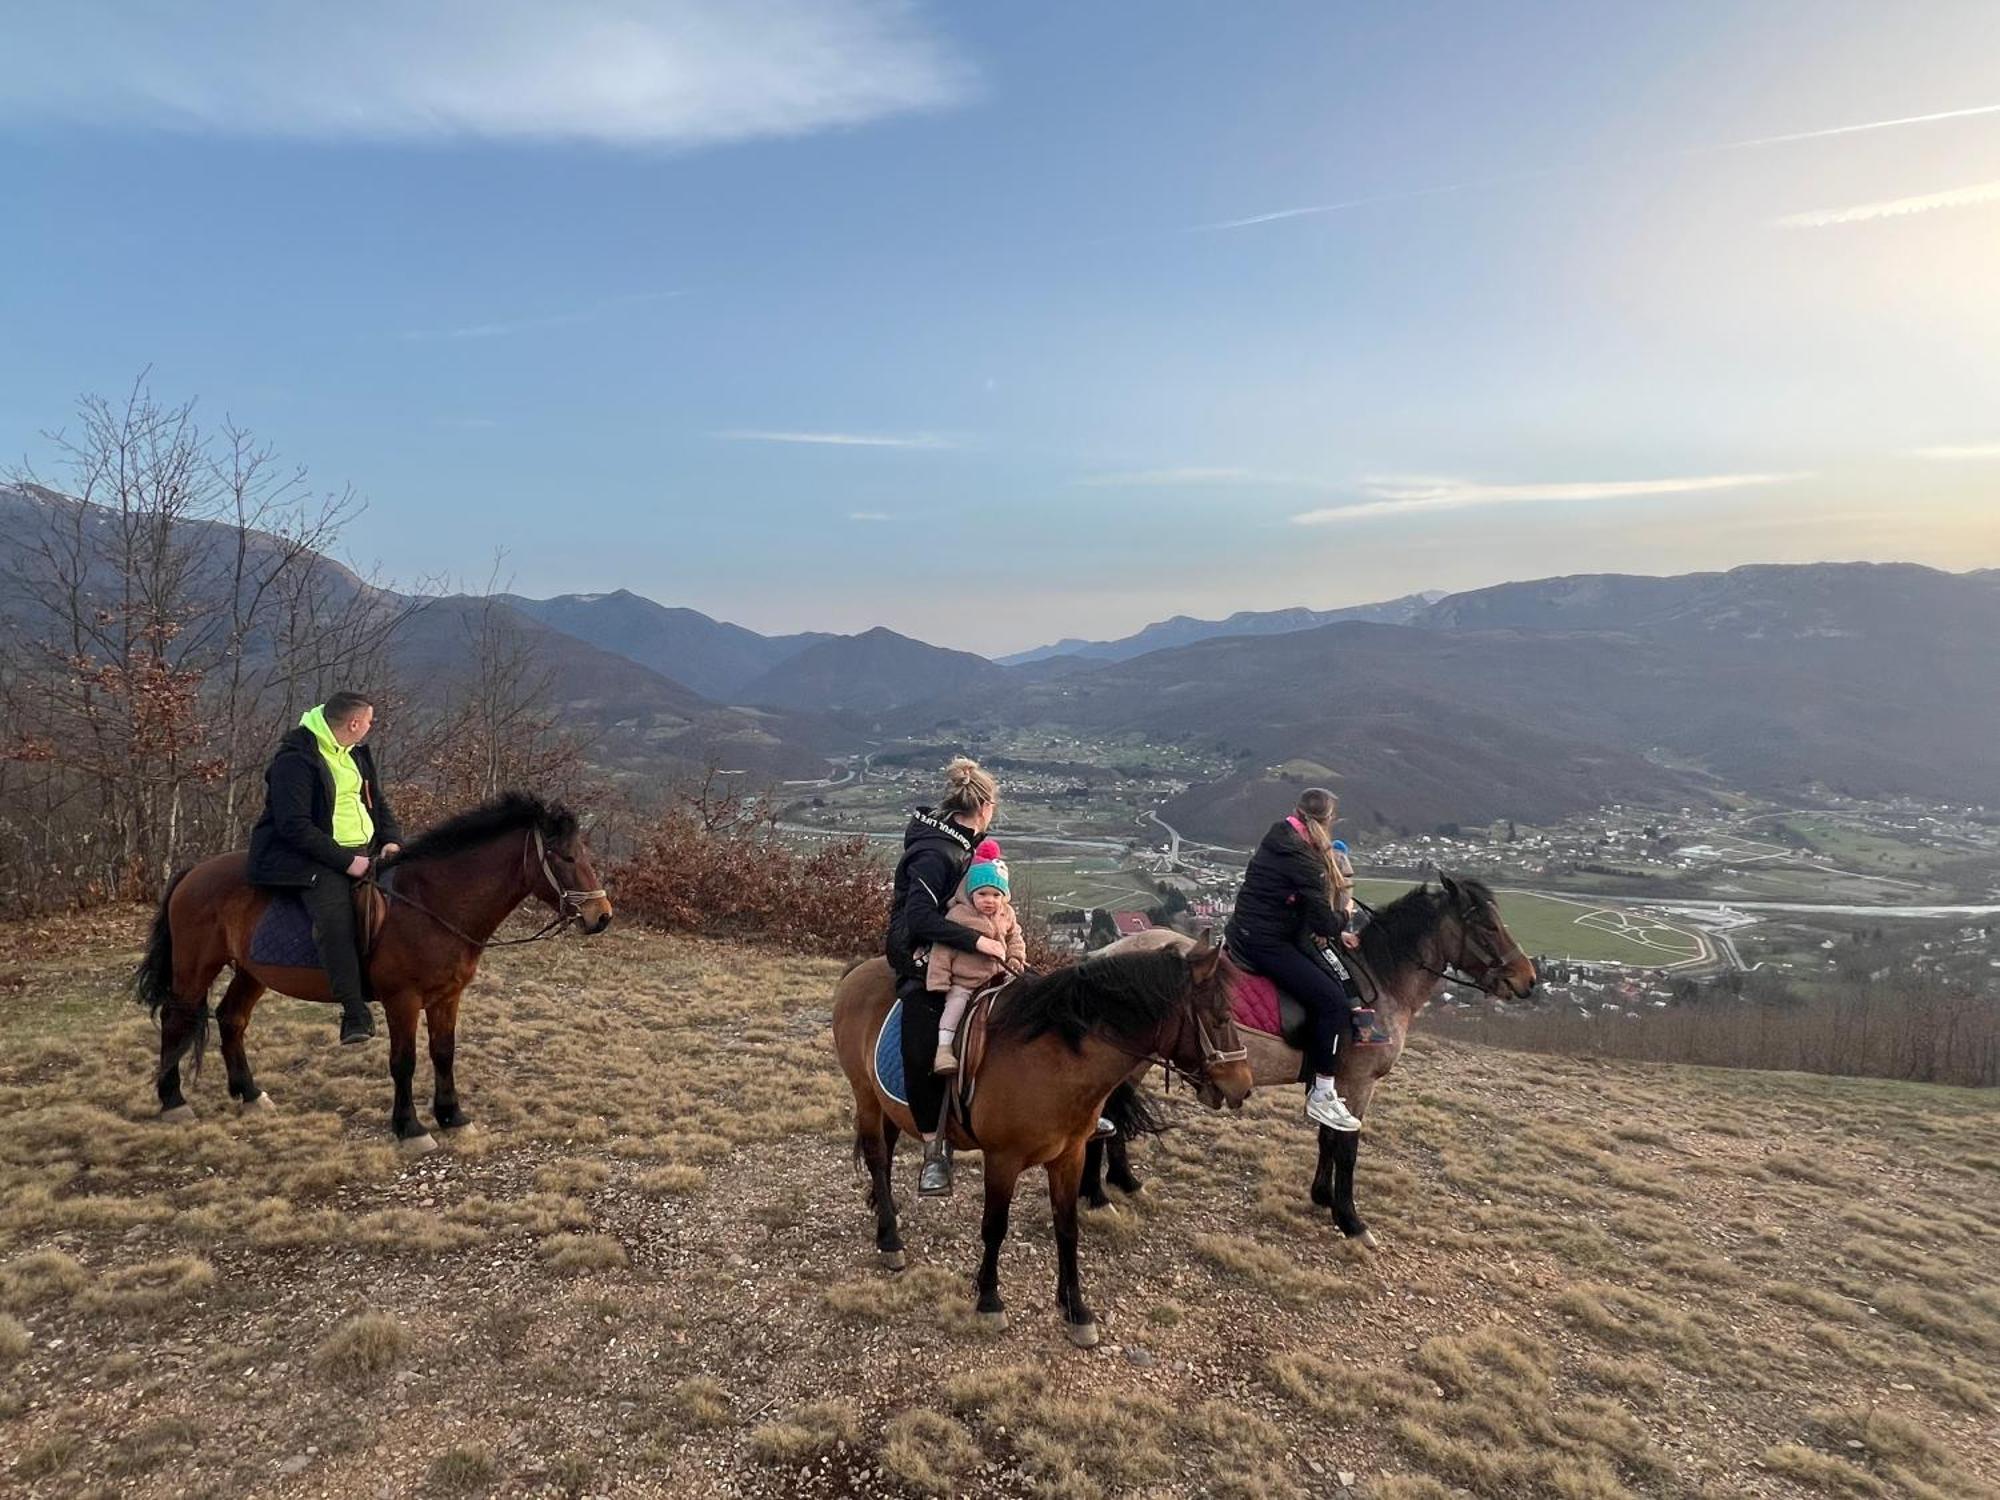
324, 819
937, 847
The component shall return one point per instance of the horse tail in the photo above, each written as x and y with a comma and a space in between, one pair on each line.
152, 981
1133, 1113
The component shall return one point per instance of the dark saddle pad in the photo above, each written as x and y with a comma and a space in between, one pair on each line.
283, 937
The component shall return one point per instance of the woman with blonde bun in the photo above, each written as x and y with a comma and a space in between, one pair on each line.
937, 847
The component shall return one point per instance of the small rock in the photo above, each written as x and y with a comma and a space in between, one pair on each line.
295, 1464
1346, 1477
1315, 1465
1140, 1357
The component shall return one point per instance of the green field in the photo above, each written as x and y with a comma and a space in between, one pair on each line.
1548, 927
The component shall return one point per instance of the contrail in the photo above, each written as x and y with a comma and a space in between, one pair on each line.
1313, 210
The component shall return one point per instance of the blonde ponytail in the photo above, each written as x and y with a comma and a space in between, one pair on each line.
968, 786
1317, 808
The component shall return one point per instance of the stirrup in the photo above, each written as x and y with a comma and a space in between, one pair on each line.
1368, 1029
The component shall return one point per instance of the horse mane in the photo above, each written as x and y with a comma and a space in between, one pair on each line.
1125, 994
1394, 936
510, 812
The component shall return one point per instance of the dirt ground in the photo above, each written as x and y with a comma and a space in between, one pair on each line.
648, 1270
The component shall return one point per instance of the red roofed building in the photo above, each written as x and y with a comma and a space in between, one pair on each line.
1129, 922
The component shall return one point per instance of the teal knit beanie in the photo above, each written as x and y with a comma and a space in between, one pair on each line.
985, 874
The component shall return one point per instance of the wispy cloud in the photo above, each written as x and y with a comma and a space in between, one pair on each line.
840, 439
1504, 179
1404, 495
672, 73
1955, 452
869, 515
1168, 478
1893, 208
501, 328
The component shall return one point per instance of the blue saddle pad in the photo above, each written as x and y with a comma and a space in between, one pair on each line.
889, 1057
284, 935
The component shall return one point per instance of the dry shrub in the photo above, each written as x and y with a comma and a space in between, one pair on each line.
929, 1451
921, 1295
1627, 1317
573, 1174
671, 1181
362, 1349
464, 1470
43, 1276
808, 1432
582, 1252
14, 1340
703, 1400
1272, 1271
150, 1287
412, 1231
148, 1447
713, 864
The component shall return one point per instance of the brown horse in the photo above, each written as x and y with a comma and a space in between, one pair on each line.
1058, 1046
1413, 945
448, 892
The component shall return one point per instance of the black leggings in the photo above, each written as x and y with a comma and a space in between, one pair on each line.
922, 1010
1315, 986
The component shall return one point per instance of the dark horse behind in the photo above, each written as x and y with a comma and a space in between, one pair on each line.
450, 891
1408, 952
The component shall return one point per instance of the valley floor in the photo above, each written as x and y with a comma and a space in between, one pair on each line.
649, 1272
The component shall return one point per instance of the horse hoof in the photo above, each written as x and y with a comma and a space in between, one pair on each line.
180, 1114
893, 1260
1083, 1335
260, 1105
1366, 1240
1136, 1190
460, 1132
417, 1145
993, 1322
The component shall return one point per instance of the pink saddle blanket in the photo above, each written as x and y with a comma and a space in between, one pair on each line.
1254, 1004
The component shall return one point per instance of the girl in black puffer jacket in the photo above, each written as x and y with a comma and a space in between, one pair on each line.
1295, 899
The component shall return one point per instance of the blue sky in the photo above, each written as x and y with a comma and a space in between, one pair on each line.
831, 313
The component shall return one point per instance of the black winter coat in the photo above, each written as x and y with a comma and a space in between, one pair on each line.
293, 841
1283, 899
936, 852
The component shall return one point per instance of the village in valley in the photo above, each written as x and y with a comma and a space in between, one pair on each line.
1626, 909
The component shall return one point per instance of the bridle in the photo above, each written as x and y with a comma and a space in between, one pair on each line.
1453, 971
569, 903
1212, 1056
1487, 980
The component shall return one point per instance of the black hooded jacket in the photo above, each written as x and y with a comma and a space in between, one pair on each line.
293, 841
1283, 899
936, 851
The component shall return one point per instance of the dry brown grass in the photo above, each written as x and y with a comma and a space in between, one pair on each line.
362, 1349
650, 1273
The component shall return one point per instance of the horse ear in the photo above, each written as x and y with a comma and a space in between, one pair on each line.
1206, 957
1450, 887
1206, 939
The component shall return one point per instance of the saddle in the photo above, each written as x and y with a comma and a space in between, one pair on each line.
284, 938
972, 1052
1257, 1004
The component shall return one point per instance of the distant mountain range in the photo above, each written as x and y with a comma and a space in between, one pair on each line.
1530, 700
1526, 700
1185, 630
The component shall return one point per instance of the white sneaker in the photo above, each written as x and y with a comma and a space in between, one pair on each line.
1326, 1107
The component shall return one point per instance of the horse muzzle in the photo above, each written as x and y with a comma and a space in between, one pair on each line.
1229, 1082
594, 916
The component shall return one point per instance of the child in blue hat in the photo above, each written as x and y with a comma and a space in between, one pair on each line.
986, 906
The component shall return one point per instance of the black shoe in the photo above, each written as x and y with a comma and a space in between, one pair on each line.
356, 1026
934, 1181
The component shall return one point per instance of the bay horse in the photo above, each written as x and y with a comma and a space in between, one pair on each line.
1408, 952
448, 892
1057, 1046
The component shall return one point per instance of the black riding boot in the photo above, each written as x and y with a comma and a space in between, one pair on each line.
934, 1181
357, 1023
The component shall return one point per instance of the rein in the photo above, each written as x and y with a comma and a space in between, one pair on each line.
569, 904
1211, 1055
1453, 972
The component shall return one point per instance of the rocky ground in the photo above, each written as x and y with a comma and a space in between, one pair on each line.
649, 1271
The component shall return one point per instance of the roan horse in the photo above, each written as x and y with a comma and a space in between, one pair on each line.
448, 892
1407, 953
1057, 1047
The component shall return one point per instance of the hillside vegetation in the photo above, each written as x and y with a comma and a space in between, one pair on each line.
650, 1271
